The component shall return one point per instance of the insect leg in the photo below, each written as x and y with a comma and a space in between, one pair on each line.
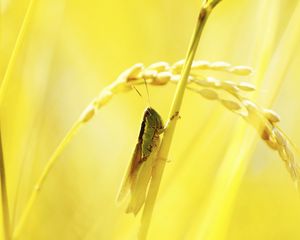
175, 116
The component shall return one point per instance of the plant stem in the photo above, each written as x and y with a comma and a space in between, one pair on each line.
39, 184
5, 207
7, 74
16, 49
85, 116
174, 112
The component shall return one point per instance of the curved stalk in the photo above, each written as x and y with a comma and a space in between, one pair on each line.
174, 112
43, 176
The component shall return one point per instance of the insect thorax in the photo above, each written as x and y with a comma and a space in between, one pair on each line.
152, 126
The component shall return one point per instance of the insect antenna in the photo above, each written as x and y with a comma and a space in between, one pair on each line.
147, 92
138, 92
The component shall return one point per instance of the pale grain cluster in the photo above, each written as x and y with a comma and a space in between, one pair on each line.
265, 121
161, 73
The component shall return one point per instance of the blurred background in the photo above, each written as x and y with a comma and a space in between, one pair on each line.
221, 181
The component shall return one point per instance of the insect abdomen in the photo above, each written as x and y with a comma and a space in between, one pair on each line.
147, 141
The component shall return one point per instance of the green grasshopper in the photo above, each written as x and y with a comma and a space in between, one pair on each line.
139, 171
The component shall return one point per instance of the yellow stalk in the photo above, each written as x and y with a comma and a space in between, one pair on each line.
5, 206
174, 112
86, 115
215, 222
283, 56
7, 74
12, 59
39, 184
216, 219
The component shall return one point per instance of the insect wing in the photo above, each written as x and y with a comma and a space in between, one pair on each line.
138, 175
130, 173
140, 183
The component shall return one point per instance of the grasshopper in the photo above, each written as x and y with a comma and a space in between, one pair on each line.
139, 171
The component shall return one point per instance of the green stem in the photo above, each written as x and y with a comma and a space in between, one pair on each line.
174, 112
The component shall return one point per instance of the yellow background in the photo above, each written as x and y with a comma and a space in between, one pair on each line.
221, 181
